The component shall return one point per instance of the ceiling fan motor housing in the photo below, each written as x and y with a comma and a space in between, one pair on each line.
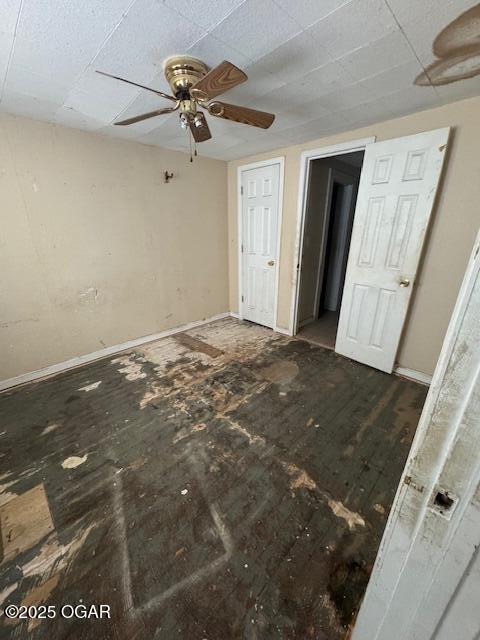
182, 72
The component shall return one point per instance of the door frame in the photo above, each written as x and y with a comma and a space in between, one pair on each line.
280, 160
335, 175
305, 159
339, 177
321, 253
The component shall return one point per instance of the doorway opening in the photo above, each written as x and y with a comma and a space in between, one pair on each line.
329, 211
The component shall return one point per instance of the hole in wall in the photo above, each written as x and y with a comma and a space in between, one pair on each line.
443, 502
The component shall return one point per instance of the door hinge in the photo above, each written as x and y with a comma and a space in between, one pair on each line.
241, 247
242, 298
241, 191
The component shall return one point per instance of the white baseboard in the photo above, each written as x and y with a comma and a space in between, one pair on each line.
418, 376
53, 369
234, 314
102, 353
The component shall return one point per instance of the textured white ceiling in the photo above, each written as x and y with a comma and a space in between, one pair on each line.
321, 66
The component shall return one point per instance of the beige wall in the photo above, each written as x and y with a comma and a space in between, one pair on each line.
456, 220
95, 249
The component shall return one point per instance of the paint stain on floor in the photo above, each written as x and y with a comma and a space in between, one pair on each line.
227, 482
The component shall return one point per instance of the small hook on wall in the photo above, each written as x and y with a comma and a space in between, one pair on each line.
167, 176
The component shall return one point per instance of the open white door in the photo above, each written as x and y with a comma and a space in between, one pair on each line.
395, 198
260, 196
425, 583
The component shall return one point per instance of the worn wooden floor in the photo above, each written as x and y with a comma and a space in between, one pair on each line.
221, 484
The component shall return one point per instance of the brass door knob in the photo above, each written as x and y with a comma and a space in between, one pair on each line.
271, 263
404, 282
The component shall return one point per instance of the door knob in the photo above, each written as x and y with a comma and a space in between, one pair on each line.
404, 282
271, 263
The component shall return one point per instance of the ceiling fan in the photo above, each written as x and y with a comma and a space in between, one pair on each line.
193, 85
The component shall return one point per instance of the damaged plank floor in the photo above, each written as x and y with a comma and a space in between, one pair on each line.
224, 483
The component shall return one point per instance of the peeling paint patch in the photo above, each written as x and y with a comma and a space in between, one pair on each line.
300, 478
90, 387
184, 433
252, 439
351, 518
49, 428
55, 555
149, 396
131, 369
74, 461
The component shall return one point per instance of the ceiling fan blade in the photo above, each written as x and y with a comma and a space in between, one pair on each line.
244, 115
145, 116
201, 133
135, 84
218, 80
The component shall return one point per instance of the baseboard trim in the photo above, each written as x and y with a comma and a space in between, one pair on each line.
78, 361
418, 376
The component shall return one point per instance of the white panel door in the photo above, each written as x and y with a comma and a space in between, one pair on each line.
260, 210
396, 193
425, 582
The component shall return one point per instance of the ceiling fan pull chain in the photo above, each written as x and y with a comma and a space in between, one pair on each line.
190, 144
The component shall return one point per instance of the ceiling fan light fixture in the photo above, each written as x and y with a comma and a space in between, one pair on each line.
198, 120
